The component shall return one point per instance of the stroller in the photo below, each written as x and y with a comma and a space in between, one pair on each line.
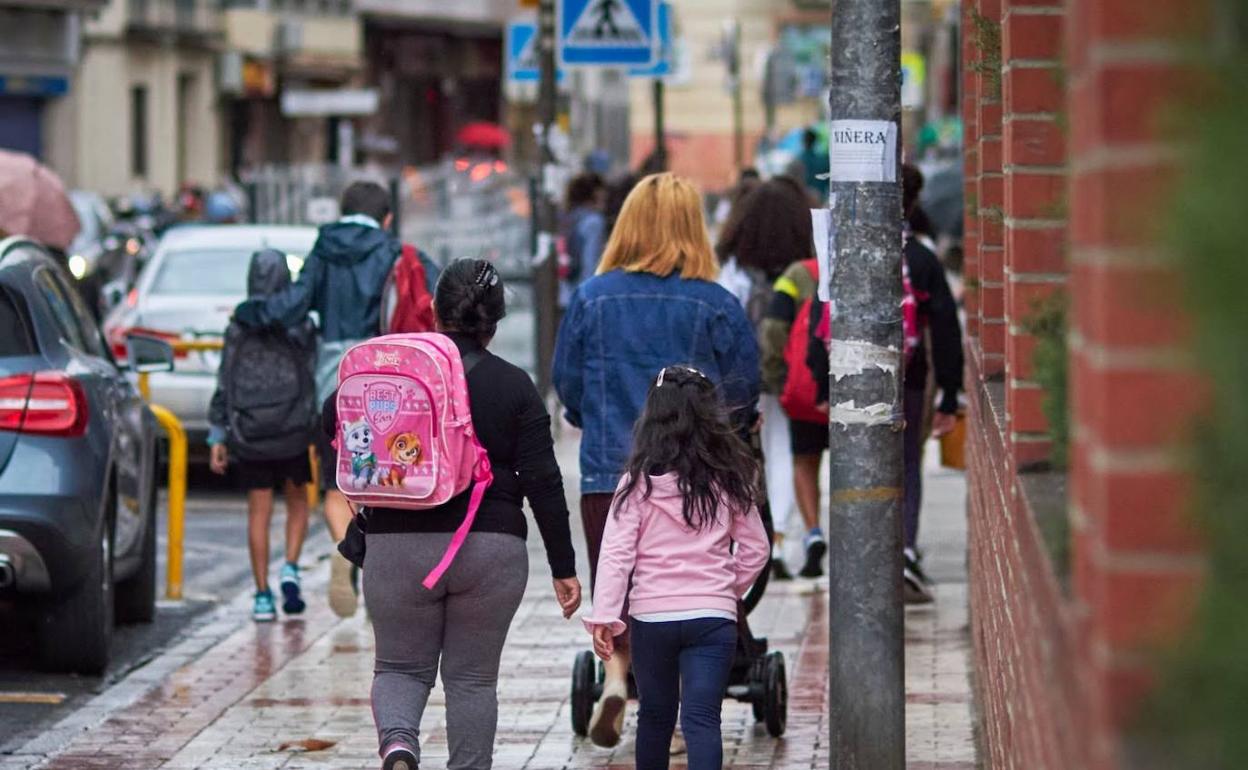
758, 676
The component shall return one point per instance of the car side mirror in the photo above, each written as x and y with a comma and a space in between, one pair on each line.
148, 354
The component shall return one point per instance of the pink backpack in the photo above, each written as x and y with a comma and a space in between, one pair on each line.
405, 436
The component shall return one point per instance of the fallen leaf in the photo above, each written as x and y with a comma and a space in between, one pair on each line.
307, 744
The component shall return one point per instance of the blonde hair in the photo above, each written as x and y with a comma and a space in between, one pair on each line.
661, 230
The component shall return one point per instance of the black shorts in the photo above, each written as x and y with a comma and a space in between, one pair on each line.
808, 438
272, 474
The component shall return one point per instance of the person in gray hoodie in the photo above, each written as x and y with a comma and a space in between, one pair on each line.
343, 280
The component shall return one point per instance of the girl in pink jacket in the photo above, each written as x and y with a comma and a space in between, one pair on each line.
687, 496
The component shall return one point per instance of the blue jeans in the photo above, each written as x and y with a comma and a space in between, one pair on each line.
682, 664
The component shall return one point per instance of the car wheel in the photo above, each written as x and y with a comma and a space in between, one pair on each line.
75, 633
136, 595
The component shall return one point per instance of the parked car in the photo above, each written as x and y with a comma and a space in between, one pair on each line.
77, 466
187, 291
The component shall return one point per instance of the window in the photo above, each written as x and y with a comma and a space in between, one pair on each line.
138, 130
203, 272
62, 313
15, 327
89, 330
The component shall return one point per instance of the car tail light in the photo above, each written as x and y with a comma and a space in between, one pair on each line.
117, 339
46, 403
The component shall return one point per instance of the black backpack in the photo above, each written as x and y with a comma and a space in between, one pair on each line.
271, 392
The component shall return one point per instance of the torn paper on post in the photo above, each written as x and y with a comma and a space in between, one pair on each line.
824, 231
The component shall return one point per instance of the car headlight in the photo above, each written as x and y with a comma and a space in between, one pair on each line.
294, 263
78, 265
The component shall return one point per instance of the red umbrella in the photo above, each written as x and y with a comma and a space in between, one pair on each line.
33, 201
481, 133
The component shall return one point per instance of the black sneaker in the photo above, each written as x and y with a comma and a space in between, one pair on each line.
400, 758
780, 570
913, 589
816, 547
913, 562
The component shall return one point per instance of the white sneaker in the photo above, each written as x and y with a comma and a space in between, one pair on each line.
343, 599
608, 720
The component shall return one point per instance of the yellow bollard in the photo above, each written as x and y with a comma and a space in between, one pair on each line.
177, 496
145, 387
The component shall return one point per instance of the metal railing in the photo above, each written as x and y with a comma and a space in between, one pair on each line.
186, 16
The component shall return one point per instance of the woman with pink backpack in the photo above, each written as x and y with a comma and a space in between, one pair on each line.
442, 583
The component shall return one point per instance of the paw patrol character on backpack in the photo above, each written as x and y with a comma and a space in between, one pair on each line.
358, 439
405, 454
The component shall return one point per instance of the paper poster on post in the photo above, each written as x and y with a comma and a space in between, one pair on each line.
863, 151
824, 232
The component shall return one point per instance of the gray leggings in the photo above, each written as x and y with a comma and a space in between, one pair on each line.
463, 621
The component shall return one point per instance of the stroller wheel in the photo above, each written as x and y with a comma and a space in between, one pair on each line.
775, 702
584, 675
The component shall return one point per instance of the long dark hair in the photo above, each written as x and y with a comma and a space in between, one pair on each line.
685, 429
469, 298
769, 229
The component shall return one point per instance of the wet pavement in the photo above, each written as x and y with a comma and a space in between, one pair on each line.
294, 694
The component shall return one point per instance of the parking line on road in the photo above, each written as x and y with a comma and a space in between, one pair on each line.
50, 698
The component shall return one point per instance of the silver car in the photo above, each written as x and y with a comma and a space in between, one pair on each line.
187, 292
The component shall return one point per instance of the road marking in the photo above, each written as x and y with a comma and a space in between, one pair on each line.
49, 698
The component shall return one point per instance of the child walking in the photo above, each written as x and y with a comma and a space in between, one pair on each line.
687, 495
262, 416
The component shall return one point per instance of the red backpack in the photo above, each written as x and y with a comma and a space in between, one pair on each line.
800, 394
407, 305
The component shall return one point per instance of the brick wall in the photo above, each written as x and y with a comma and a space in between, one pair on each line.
1070, 168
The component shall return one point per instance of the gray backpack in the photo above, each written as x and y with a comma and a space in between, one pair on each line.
271, 394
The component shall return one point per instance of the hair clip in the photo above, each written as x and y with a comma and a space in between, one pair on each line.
662, 372
486, 275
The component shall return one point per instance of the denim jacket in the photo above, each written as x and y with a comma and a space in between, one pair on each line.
620, 329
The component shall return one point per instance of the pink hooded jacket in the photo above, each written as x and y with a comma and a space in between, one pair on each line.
674, 567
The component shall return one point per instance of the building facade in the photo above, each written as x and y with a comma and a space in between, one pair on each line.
146, 117
1080, 573
39, 50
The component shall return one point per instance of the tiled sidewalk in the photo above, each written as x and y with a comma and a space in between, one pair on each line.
237, 703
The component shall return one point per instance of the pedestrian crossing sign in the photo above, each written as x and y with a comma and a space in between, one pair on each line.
619, 33
523, 65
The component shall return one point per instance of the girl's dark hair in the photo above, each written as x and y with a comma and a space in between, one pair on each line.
685, 429
769, 229
469, 298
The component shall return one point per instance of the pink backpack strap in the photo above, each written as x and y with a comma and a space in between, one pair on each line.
483, 477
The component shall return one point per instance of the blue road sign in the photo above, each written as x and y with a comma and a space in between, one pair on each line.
523, 65
666, 63
617, 33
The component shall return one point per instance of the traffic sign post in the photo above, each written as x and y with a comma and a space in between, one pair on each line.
619, 33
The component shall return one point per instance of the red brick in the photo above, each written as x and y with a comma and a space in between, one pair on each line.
1128, 104
992, 338
1144, 611
1144, 409
1032, 89
1024, 454
1019, 348
1148, 512
1035, 195
990, 154
1024, 299
1120, 206
1026, 414
1131, 20
992, 302
1036, 251
1031, 36
1034, 142
992, 264
989, 118
991, 190
1128, 305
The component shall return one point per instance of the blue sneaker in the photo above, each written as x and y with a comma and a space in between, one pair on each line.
816, 547
263, 610
292, 601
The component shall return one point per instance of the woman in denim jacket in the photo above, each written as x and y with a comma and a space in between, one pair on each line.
653, 303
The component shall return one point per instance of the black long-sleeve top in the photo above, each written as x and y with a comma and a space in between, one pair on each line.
512, 424
937, 310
